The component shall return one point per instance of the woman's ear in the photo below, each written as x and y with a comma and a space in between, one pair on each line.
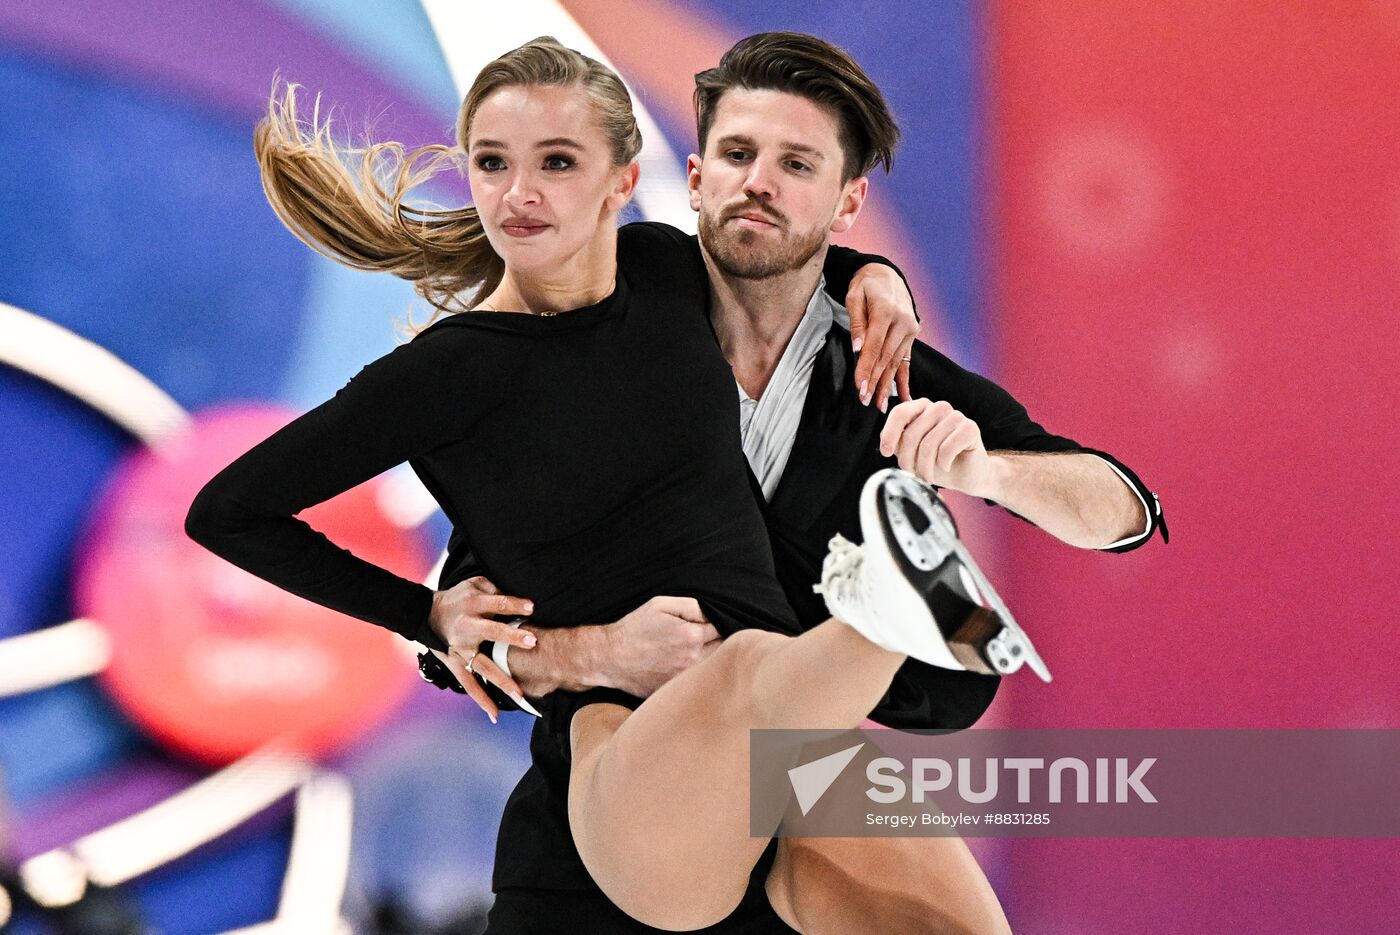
626, 184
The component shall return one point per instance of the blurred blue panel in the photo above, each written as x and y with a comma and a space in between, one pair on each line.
232, 883
428, 798
56, 453
348, 321
59, 736
145, 229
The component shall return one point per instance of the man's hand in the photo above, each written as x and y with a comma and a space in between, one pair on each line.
654, 643
883, 329
1076, 497
463, 617
940, 444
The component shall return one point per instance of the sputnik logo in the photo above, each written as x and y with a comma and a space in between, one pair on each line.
811, 780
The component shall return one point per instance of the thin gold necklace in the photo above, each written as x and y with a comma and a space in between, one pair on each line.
487, 307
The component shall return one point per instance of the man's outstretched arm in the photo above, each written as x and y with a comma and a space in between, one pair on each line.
1079, 497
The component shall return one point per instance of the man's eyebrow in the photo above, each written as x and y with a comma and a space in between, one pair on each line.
738, 139
735, 139
804, 149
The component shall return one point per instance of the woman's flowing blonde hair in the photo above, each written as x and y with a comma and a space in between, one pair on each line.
348, 203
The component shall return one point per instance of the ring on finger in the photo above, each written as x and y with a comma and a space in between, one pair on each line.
471, 659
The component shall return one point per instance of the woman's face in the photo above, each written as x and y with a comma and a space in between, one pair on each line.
542, 179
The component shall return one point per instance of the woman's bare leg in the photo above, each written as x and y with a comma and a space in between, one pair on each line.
830, 886
659, 797
658, 801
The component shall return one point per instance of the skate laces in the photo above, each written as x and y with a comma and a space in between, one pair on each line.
841, 577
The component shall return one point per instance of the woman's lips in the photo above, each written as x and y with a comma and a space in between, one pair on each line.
524, 228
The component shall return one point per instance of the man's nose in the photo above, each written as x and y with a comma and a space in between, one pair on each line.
761, 181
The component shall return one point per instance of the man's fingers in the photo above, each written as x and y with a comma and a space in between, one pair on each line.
483, 583
962, 438
907, 445
923, 438
486, 667
895, 422
702, 633
925, 458
709, 647
504, 604
687, 608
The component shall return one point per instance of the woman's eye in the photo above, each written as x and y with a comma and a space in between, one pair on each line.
558, 163
490, 163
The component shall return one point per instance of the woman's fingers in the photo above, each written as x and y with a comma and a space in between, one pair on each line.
474, 690
505, 633
482, 699
894, 369
869, 365
486, 667
901, 375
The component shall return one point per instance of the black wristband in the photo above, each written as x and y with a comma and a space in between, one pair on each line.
436, 673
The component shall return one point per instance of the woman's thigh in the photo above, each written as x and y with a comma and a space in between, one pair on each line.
658, 797
902, 884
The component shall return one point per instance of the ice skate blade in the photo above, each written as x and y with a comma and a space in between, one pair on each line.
982, 634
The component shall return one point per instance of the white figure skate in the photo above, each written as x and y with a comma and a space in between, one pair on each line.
913, 588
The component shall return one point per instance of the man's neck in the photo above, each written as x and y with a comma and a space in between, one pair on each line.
754, 319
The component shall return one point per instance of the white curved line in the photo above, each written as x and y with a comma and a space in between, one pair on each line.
51, 656
318, 865
191, 817
91, 373
471, 36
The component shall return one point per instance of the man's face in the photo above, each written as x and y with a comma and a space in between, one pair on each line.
768, 186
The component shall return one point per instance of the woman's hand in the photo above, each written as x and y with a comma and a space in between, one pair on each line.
463, 617
883, 329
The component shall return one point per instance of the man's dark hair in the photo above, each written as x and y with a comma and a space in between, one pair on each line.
817, 70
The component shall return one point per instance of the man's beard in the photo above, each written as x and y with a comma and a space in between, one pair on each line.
744, 255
